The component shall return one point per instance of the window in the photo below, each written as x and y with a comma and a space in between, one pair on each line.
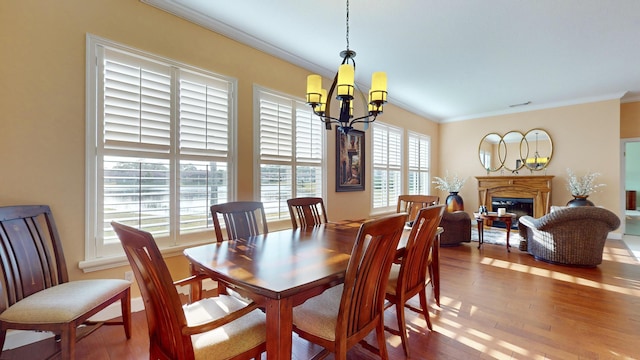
159, 149
418, 163
291, 151
387, 166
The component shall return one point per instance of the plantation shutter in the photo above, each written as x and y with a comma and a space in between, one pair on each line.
387, 163
308, 135
137, 104
276, 124
204, 116
418, 148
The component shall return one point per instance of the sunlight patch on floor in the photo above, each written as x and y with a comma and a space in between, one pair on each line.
633, 243
559, 276
483, 342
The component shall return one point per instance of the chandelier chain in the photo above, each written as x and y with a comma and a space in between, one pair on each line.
347, 25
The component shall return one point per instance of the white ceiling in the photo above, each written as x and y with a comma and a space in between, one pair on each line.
449, 59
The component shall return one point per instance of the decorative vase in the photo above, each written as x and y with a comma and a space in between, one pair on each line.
454, 202
579, 200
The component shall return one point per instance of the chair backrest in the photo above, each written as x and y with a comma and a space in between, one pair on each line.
307, 211
165, 317
241, 219
31, 256
410, 204
367, 275
413, 268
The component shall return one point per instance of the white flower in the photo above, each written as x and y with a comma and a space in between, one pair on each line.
584, 185
450, 185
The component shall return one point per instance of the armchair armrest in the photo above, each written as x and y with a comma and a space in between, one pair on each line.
190, 280
211, 325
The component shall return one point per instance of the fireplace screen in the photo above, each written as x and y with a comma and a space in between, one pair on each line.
518, 206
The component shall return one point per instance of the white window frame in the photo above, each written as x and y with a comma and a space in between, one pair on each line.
384, 139
287, 155
418, 163
102, 253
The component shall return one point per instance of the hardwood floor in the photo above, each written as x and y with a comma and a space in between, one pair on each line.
495, 305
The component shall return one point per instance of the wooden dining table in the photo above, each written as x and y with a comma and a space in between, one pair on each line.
282, 269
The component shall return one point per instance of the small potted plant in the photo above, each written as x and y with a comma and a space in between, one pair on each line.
452, 186
581, 187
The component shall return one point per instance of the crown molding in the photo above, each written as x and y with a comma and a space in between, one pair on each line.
532, 107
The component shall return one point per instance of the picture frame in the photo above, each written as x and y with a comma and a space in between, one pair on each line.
350, 160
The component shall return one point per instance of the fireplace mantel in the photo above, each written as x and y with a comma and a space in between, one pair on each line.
536, 187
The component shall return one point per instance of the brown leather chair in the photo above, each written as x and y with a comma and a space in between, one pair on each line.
337, 319
306, 211
409, 278
221, 327
457, 228
36, 292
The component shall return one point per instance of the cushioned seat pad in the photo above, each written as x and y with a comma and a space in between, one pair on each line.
236, 337
319, 314
64, 302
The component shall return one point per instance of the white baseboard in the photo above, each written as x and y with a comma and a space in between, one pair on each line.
18, 338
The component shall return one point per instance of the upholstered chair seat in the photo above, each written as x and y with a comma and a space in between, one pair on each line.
63, 303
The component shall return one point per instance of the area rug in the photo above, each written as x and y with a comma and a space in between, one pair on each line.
498, 236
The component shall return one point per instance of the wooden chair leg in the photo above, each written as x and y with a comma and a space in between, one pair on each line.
382, 340
125, 307
3, 337
402, 328
68, 341
425, 308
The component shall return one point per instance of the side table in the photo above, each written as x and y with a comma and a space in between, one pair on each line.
507, 218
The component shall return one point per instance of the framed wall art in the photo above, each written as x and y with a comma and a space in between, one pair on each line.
350, 161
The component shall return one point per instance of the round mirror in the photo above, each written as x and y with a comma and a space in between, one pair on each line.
512, 160
491, 152
536, 149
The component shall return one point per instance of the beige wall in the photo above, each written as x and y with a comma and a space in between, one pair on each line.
42, 103
585, 138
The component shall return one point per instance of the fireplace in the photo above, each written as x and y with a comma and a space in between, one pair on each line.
518, 206
532, 192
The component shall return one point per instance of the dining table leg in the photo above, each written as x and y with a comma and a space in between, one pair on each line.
436, 269
508, 223
279, 314
480, 222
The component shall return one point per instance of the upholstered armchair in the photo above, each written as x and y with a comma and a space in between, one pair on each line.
457, 228
569, 236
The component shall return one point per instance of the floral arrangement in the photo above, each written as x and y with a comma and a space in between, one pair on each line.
584, 185
451, 185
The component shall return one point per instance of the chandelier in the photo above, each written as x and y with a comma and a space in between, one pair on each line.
344, 85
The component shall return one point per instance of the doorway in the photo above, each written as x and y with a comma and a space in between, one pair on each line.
631, 188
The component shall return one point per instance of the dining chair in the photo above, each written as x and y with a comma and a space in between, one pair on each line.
241, 219
220, 327
409, 278
344, 315
410, 204
307, 211
36, 293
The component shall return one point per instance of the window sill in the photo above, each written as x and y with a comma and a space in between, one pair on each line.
105, 263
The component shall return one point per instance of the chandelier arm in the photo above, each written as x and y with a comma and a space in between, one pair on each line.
326, 118
327, 124
363, 119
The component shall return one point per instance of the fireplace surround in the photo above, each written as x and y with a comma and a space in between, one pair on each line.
535, 187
